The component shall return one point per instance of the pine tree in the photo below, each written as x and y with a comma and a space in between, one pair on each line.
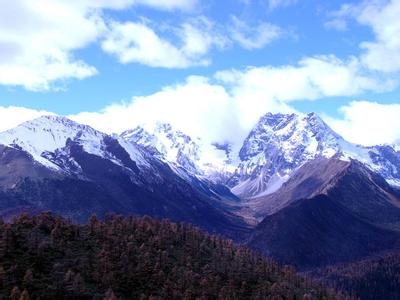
93, 223
140, 258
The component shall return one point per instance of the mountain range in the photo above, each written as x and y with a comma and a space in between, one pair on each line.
53, 163
294, 189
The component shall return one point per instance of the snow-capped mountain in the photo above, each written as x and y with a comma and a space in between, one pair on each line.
211, 161
396, 145
53, 163
276, 146
46, 137
170, 145
329, 211
281, 143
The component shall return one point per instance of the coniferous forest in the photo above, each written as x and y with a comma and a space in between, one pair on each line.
47, 257
371, 278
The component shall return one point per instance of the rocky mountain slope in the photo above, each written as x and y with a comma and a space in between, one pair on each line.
296, 190
347, 181
53, 163
279, 144
318, 232
211, 162
328, 212
57, 164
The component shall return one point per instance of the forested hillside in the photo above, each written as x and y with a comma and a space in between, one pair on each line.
373, 278
48, 257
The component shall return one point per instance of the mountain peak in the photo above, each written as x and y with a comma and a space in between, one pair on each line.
51, 132
279, 144
176, 147
313, 115
288, 131
55, 122
55, 118
171, 145
315, 119
274, 120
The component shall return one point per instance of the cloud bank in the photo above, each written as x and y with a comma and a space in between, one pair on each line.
368, 123
225, 107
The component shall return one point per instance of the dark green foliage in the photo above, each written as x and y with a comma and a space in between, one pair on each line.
373, 278
48, 257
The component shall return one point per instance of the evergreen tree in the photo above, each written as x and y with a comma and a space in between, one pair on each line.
140, 258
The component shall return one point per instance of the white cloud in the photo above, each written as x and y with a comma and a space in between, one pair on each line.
168, 4
338, 19
368, 123
383, 53
273, 4
185, 5
337, 24
188, 44
197, 106
225, 108
136, 42
139, 43
12, 116
200, 35
38, 39
254, 36
261, 89
312, 78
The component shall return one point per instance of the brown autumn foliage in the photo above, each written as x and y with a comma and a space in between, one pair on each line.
371, 278
47, 257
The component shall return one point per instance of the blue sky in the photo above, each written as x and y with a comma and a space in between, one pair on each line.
117, 64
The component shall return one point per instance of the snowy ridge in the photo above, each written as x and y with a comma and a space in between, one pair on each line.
48, 135
277, 146
170, 145
396, 145
181, 151
281, 143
